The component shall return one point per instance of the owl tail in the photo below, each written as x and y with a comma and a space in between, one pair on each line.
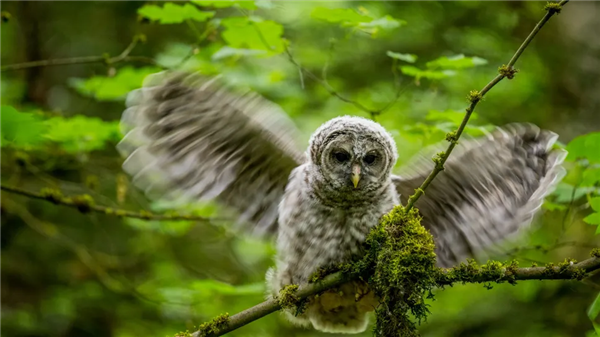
342, 310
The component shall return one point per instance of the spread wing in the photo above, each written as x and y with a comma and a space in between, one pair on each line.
490, 188
193, 138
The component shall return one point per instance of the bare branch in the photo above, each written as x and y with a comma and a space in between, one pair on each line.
123, 57
85, 204
332, 91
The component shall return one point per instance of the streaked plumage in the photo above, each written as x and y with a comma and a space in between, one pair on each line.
192, 138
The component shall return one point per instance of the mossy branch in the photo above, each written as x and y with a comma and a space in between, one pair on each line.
506, 71
84, 203
106, 59
469, 273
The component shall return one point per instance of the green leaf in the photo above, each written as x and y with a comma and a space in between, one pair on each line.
245, 33
173, 13
227, 51
564, 192
430, 74
591, 177
594, 313
592, 219
410, 58
551, 206
225, 4
81, 133
456, 62
114, 88
585, 146
265, 4
387, 23
20, 128
595, 204
346, 16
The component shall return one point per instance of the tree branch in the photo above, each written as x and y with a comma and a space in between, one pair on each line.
549, 272
446, 276
475, 97
85, 204
123, 57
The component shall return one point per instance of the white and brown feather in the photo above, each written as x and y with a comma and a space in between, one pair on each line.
189, 136
490, 188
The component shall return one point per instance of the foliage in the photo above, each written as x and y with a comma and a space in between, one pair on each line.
115, 87
174, 13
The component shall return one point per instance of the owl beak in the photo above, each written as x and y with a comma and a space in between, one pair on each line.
355, 175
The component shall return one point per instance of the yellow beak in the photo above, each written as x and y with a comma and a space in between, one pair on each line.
355, 175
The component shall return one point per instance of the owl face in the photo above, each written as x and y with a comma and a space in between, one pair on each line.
353, 154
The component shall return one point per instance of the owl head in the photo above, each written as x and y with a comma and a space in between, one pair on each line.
352, 154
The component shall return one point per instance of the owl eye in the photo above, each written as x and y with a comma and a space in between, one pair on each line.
341, 156
370, 159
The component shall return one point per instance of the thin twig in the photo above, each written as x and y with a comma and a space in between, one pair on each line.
475, 97
327, 87
85, 204
122, 57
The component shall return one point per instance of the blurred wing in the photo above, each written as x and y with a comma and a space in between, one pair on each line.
490, 188
189, 137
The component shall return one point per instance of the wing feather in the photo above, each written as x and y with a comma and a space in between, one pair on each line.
190, 137
490, 188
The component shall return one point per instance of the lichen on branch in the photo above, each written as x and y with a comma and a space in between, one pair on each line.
403, 273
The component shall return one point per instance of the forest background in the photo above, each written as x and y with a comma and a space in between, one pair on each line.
409, 65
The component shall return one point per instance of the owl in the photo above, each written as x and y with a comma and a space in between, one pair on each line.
192, 138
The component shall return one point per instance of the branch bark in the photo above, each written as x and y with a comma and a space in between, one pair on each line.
85, 204
521, 274
123, 57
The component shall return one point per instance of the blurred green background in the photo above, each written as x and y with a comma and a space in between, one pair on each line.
65, 273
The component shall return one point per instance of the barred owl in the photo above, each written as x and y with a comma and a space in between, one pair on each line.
193, 138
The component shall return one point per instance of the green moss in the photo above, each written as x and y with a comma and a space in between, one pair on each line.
400, 260
508, 72
553, 7
471, 272
287, 296
552, 270
145, 215
595, 252
52, 195
214, 326
549, 269
84, 202
185, 333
